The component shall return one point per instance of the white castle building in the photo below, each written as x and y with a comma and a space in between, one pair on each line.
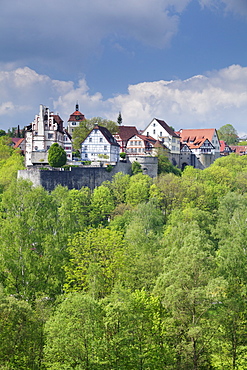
46, 129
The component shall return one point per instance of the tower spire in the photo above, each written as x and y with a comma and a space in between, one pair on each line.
77, 106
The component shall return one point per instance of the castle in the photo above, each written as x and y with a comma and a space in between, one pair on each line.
195, 147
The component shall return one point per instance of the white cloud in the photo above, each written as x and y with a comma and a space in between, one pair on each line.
212, 100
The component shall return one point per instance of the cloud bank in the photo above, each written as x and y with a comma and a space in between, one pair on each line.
62, 31
210, 100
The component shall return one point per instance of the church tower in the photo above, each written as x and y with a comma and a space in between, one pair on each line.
75, 119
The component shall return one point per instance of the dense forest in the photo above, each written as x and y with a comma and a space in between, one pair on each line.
140, 274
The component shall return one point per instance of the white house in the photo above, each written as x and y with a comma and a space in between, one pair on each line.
46, 129
140, 145
159, 130
100, 145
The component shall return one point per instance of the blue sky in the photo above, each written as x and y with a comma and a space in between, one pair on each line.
183, 61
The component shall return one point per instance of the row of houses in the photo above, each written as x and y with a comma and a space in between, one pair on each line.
196, 147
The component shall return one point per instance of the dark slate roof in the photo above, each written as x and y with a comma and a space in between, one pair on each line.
167, 128
106, 134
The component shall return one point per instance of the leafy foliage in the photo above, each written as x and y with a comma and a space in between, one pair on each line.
228, 133
139, 273
56, 156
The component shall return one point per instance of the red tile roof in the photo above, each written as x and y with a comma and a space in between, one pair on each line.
76, 116
196, 134
126, 132
239, 149
18, 142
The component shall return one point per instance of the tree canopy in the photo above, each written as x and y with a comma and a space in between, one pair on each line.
56, 156
228, 133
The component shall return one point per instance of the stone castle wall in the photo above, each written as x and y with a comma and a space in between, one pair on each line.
75, 178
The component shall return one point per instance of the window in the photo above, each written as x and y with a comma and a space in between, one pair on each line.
50, 136
101, 139
73, 123
90, 139
153, 124
139, 150
105, 147
36, 148
154, 131
160, 133
85, 147
95, 131
85, 155
131, 143
48, 147
135, 142
139, 143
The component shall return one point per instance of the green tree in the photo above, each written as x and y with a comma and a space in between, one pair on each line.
95, 258
142, 260
56, 156
228, 133
74, 335
2, 133
138, 190
31, 263
119, 186
136, 168
135, 332
119, 119
21, 337
102, 204
80, 133
191, 294
231, 259
165, 166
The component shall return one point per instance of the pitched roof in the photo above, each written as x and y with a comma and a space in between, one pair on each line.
106, 133
167, 128
239, 149
18, 142
188, 135
126, 132
155, 143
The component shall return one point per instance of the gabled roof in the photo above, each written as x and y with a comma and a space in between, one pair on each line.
239, 149
126, 132
155, 143
198, 142
18, 142
167, 128
223, 146
188, 135
106, 133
